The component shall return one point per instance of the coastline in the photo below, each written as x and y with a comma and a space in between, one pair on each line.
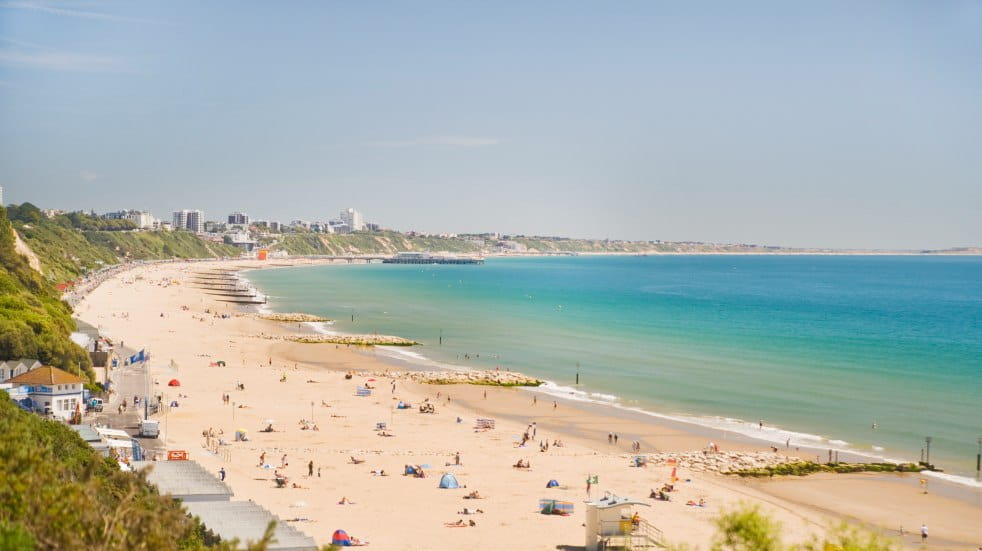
584, 425
809, 446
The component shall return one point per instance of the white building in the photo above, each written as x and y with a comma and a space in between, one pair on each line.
191, 220
12, 368
1, 196
353, 219
49, 390
143, 219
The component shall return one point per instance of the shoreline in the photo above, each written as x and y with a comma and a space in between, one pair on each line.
807, 445
422, 438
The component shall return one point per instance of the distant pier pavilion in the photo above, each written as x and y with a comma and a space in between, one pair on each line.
426, 258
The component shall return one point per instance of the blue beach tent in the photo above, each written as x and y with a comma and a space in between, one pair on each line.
448, 480
552, 484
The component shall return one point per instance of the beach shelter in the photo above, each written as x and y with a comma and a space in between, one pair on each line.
552, 484
410, 469
448, 480
174, 382
341, 538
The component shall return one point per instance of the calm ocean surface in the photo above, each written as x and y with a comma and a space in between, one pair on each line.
819, 347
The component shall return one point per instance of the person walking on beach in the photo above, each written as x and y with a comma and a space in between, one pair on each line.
283, 462
310, 468
221, 474
262, 459
588, 487
610, 438
615, 438
535, 400
923, 533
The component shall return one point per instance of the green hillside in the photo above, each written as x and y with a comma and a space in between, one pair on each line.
368, 243
71, 244
34, 322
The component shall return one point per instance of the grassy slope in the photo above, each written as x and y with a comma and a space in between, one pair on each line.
65, 252
34, 322
369, 243
392, 242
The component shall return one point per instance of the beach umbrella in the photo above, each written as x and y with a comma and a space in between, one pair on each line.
341, 538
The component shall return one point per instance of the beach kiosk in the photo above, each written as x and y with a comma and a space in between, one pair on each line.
611, 524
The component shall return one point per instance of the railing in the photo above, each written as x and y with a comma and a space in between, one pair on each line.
623, 534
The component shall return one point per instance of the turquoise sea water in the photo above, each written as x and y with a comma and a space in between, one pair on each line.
819, 347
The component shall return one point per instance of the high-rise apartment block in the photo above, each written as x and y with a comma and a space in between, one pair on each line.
238, 218
191, 220
353, 219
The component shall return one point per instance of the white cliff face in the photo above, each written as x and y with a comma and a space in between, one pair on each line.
26, 251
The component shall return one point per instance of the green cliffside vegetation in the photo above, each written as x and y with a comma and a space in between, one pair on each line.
57, 493
34, 321
386, 242
71, 244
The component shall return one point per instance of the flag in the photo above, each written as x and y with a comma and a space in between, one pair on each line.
140, 356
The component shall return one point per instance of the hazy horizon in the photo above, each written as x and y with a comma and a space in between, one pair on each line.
835, 125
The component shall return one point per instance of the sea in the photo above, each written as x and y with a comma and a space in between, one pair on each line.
871, 354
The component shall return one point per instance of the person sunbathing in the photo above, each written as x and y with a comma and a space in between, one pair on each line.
345, 501
469, 511
357, 461
474, 495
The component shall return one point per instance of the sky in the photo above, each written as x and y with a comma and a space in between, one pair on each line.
824, 124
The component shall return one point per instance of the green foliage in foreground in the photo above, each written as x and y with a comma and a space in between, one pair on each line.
59, 494
746, 528
803, 468
34, 322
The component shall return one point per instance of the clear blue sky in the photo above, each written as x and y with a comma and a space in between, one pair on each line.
845, 124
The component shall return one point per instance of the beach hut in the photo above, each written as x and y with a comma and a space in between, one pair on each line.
341, 538
552, 484
609, 525
449, 481
174, 382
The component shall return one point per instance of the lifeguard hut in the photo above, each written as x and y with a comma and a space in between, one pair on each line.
611, 524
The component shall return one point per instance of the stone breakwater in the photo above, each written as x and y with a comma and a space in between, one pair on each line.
292, 317
721, 462
487, 377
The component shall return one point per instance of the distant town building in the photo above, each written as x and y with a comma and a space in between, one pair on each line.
275, 226
191, 220
300, 224
372, 227
143, 219
353, 219
338, 226
238, 218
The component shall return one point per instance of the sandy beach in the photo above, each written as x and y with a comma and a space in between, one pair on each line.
287, 383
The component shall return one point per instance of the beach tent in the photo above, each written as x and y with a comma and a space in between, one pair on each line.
552, 484
174, 382
341, 538
448, 480
410, 469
